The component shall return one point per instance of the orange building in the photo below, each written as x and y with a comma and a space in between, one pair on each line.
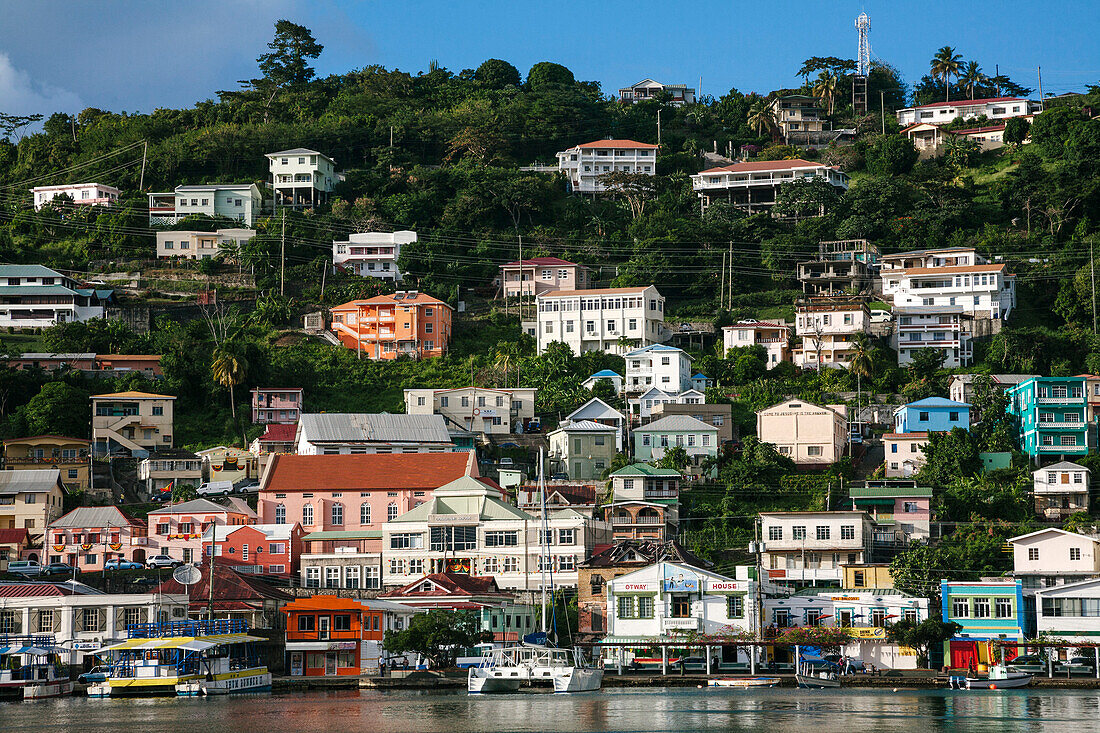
331, 636
406, 323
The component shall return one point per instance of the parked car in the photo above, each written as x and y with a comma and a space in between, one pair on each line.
880, 316
1029, 663
29, 568
162, 561
117, 563
1080, 665
216, 488
506, 461
59, 568
95, 674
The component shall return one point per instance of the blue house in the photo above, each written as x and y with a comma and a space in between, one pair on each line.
932, 414
701, 382
987, 611
1051, 416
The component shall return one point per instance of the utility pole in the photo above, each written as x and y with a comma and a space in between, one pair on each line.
282, 256
882, 106
997, 76
729, 279
722, 286
391, 137
144, 150
324, 271
1092, 272
659, 122
1042, 104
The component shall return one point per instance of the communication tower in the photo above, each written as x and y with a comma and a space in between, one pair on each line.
863, 65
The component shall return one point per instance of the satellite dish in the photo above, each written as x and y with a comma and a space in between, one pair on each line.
186, 575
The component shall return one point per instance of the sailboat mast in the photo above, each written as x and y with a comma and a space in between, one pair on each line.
542, 539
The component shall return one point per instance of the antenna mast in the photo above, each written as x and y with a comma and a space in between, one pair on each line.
863, 65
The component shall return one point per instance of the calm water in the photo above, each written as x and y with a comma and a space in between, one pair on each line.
774, 711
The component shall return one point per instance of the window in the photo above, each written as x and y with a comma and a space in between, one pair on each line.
645, 606
275, 548
625, 607
158, 410
1074, 553
337, 514
89, 619
735, 606
416, 566
45, 621
923, 417
307, 515
1033, 553
848, 532
982, 608
305, 622
960, 608
813, 450
798, 532
498, 538
280, 514
953, 416
775, 533
407, 541
567, 536
313, 578
341, 622
391, 512
681, 606
1002, 607
859, 578
822, 532
444, 539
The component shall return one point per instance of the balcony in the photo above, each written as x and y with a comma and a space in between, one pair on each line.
679, 624
1054, 425
624, 521
1076, 449
804, 574
1078, 400
661, 493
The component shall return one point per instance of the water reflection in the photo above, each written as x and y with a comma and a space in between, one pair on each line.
774, 711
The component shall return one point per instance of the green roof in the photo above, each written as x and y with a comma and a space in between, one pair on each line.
644, 469
885, 492
364, 534
464, 495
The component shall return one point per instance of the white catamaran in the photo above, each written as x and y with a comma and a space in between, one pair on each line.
30, 668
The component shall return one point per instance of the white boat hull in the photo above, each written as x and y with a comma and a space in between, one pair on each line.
258, 680
1008, 683
578, 679
491, 685
744, 682
99, 689
812, 682
53, 688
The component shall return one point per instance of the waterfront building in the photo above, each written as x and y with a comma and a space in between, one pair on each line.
987, 610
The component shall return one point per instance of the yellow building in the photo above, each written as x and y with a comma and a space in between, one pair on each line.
131, 423
30, 499
68, 455
867, 575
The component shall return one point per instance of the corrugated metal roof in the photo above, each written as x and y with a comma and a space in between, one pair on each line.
29, 480
585, 426
35, 289
373, 428
96, 516
198, 505
28, 271
644, 469
82, 355
888, 492
676, 422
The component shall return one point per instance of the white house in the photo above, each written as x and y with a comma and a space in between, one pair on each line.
195, 245
82, 194
614, 377
944, 328
614, 320
36, 296
481, 410
1052, 556
774, 337
664, 367
979, 288
810, 548
596, 410
941, 113
585, 164
582, 449
1061, 489
372, 254
644, 406
754, 185
827, 326
679, 94
335, 433
1070, 612
301, 178
240, 201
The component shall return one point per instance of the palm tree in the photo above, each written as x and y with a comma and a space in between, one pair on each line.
228, 369
860, 365
972, 76
825, 88
945, 64
761, 117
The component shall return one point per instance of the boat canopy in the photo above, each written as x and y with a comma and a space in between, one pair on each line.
187, 643
36, 650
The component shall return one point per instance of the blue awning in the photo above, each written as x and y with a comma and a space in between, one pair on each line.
36, 650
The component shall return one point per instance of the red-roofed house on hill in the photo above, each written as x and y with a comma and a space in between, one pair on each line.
277, 439
406, 323
587, 163
940, 113
89, 536
542, 274
754, 186
257, 549
14, 545
496, 609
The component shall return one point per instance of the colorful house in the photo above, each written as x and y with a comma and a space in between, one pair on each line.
899, 504
987, 611
257, 549
15, 544
67, 455
234, 596
406, 323
1050, 416
177, 528
87, 537
30, 498
930, 415
328, 636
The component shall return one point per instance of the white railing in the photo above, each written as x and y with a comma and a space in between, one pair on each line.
1060, 400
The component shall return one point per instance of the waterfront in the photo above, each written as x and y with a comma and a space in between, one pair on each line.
657, 709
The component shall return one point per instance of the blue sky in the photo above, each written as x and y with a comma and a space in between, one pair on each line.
136, 55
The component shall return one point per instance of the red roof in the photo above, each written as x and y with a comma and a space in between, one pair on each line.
418, 299
15, 536
555, 261
972, 130
767, 165
370, 471
47, 435
229, 587
617, 144
970, 102
446, 584
279, 434
32, 590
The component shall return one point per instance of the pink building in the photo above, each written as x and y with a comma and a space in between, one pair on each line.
899, 503
541, 275
82, 194
87, 537
276, 405
349, 497
177, 529
257, 549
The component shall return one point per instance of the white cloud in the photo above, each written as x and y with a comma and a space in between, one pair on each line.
20, 95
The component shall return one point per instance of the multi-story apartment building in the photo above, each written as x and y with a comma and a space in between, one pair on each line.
1053, 557
827, 326
897, 503
176, 530
82, 194
1060, 490
240, 201
406, 323
169, 467
372, 254
946, 329
796, 115
1050, 416
30, 499
344, 433
67, 455
466, 527
131, 423
615, 320
842, 266
540, 275
808, 434
33, 296
931, 278
960, 387
753, 186
774, 337
194, 245
586, 164
664, 367
678, 94
87, 537
301, 178
698, 439
256, 549
480, 410
582, 449
987, 610
645, 503
809, 548
940, 113
276, 405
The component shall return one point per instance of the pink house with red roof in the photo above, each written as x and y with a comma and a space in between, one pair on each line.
177, 529
993, 108
541, 275
587, 163
754, 185
774, 337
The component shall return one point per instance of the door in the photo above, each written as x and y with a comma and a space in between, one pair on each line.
322, 629
330, 663
963, 653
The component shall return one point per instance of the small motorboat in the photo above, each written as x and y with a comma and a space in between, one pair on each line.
818, 680
743, 682
999, 679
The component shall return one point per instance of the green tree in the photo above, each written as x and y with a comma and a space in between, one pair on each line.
58, 409
1016, 131
804, 198
546, 75
949, 456
437, 635
286, 64
922, 637
945, 64
891, 155
971, 77
497, 74
676, 458
825, 88
604, 389
761, 117
992, 427
229, 367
